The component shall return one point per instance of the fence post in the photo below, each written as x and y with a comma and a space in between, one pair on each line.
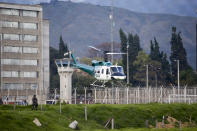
180, 125
116, 96
60, 106
146, 124
95, 95
163, 124
185, 93
85, 94
112, 95
75, 95
86, 118
112, 123
161, 94
156, 124
138, 95
149, 94
60, 103
127, 95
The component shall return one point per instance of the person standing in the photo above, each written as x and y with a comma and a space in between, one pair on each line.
34, 103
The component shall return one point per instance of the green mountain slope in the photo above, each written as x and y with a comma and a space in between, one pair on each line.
84, 24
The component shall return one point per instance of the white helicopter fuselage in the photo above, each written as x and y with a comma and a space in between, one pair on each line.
106, 73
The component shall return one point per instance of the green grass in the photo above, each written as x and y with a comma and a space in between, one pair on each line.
127, 117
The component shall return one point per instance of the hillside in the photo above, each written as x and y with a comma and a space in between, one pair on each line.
127, 117
84, 24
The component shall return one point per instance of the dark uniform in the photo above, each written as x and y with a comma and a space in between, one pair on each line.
34, 103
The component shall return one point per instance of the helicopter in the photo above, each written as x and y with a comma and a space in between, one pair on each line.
102, 71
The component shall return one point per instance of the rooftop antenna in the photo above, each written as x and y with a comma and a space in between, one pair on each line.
111, 17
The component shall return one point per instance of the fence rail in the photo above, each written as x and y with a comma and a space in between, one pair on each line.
134, 95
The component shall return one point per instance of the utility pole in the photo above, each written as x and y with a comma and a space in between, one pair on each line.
196, 44
1, 64
127, 64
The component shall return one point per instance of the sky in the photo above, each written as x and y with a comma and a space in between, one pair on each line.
177, 7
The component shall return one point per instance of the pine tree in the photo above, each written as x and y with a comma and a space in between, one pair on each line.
177, 53
155, 53
160, 57
123, 39
134, 48
62, 48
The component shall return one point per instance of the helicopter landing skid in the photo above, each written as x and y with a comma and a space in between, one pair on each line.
97, 85
118, 83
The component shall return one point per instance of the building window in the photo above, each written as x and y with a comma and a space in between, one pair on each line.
30, 13
30, 74
17, 49
20, 86
9, 12
32, 86
30, 38
19, 62
11, 36
30, 50
13, 86
8, 24
29, 26
19, 74
12, 49
30, 62
10, 74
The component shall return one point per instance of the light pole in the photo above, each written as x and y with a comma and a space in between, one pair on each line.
1, 64
178, 79
127, 64
196, 44
147, 76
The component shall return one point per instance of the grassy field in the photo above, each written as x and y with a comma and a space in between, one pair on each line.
127, 117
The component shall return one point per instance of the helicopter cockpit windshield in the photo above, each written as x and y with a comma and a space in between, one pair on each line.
117, 69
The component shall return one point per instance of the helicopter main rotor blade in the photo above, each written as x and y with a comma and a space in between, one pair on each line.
110, 53
95, 48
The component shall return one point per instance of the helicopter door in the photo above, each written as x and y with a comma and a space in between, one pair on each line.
103, 73
108, 74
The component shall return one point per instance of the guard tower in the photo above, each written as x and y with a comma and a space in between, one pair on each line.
65, 71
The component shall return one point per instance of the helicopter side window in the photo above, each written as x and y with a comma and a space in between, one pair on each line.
107, 72
102, 71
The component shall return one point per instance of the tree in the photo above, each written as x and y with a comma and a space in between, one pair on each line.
123, 39
140, 63
54, 77
177, 53
62, 48
161, 57
155, 53
134, 48
188, 77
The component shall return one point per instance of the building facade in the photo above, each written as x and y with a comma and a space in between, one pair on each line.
24, 40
